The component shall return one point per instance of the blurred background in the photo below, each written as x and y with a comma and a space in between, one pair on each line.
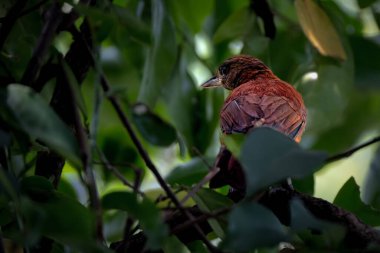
156, 54
159, 52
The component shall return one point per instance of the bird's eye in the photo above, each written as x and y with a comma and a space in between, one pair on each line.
223, 70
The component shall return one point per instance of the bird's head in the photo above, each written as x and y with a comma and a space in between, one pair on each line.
237, 70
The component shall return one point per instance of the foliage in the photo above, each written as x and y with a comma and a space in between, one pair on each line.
73, 180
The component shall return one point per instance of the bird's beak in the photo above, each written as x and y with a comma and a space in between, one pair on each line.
212, 82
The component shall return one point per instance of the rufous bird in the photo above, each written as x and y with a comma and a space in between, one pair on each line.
258, 98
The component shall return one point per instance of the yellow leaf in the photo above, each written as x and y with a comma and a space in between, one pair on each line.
319, 29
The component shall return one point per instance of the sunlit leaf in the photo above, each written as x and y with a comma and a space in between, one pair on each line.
152, 127
189, 173
144, 210
252, 226
269, 156
34, 116
319, 29
208, 200
348, 198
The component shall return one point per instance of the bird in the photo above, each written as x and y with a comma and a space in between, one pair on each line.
258, 98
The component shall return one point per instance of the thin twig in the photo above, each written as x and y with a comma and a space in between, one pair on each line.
86, 158
198, 186
117, 173
144, 155
351, 151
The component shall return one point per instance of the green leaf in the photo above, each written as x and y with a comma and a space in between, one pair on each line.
208, 201
34, 116
348, 198
305, 185
371, 192
304, 223
189, 173
173, 245
319, 29
161, 55
153, 128
269, 156
143, 210
192, 13
234, 26
253, 226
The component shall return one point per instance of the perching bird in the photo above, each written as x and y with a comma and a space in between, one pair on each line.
258, 98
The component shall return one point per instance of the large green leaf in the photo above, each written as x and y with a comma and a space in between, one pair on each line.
209, 200
33, 115
269, 156
161, 55
189, 173
348, 198
253, 226
371, 191
144, 211
365, 3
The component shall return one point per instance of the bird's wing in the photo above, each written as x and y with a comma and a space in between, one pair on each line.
251, 110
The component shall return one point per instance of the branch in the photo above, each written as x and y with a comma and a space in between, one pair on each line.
86, 158
43, 43
144, 155
351, 151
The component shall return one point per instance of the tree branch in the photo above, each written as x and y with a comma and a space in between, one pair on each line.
351, 151
43, 43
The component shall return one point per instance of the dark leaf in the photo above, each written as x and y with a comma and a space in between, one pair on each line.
34, 116
188, 173
268, 157
366, 71
348, 198
252, 226
153, 128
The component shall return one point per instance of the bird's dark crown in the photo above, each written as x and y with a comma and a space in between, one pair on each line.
240, 69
